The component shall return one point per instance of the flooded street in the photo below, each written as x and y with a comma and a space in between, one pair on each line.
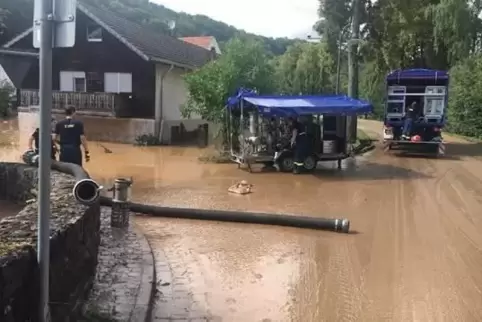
415, 254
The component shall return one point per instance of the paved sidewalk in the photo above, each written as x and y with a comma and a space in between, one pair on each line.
124, 282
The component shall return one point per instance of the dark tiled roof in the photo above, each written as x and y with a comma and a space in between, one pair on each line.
156, 46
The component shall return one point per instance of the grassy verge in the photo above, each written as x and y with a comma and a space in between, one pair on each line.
463, 137
364, 143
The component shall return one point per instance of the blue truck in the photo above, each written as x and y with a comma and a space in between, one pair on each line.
428, 90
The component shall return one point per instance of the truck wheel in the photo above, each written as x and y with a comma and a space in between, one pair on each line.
286, 163
310, 163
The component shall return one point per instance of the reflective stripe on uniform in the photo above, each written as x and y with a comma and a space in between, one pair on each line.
441, 149
299, 164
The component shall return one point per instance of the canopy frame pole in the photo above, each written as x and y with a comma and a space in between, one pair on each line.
241, 128
229, 132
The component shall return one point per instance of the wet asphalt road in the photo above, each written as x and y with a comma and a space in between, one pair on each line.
415, 254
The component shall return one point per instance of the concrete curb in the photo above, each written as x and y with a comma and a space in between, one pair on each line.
145, 296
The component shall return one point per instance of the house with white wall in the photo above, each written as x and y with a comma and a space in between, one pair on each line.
116, 68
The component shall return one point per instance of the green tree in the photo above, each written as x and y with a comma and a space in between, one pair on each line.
372, 87
285, 66
243, 64
305, 68
465, 100
439, 34
334, 17
6, 91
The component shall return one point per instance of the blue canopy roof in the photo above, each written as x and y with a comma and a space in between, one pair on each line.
299, 105
407, 74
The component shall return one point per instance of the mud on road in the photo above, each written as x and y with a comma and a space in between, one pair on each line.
415, 254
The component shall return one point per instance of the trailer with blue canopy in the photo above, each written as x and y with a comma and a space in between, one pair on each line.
259, 127
415, 110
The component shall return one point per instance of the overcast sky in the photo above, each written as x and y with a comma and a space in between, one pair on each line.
273, 18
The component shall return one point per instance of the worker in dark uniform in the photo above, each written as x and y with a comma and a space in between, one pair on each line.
413, 113
301, 144
70, 135
34, 143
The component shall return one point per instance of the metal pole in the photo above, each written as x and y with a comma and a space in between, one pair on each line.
45, 86
338, 64
353, 66
353, 51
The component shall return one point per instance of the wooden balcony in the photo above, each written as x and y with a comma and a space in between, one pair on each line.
85, 103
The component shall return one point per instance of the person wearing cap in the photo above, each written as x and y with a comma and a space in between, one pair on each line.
69, 132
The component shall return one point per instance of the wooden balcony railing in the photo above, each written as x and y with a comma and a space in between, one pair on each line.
100, 102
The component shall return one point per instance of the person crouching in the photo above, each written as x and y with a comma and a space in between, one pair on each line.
34, 144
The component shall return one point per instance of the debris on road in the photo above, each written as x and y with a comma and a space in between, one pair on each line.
241, 188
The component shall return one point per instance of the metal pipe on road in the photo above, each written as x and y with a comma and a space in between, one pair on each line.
337, 225
87, 191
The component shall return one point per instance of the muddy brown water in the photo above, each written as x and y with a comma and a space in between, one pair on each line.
415, 254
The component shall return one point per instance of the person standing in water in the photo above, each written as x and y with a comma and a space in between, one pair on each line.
300, 144
69, 132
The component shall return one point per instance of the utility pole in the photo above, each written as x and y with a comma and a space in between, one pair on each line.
53, 26
353, 51
43, 249
353, 63
338, 62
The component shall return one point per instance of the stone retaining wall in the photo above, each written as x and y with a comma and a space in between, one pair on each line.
75, 239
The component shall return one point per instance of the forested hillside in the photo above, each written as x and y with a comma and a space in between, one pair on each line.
18, 16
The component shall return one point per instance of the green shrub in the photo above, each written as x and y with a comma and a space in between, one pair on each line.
465, 97
6, 92
147, 140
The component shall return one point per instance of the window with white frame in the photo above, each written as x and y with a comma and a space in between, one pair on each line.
396, 100
72, 81
94, 33
434, 105
80, 84
118, 82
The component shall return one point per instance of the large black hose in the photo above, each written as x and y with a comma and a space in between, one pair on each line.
87, 191
339, 225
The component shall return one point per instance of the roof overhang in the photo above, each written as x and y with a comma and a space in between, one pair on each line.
166, 62
18, 52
